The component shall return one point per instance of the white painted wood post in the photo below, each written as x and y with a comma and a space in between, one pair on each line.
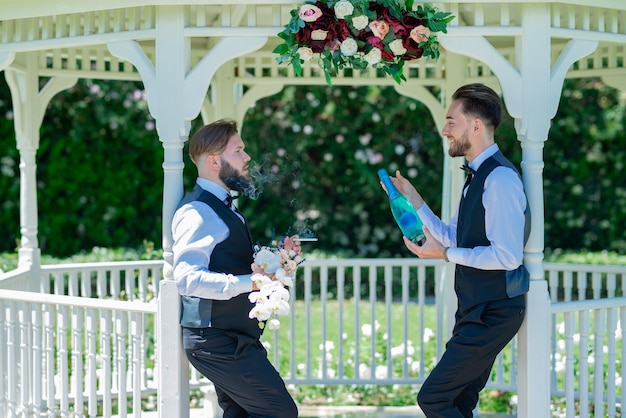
175, 96
537, 102
29, 107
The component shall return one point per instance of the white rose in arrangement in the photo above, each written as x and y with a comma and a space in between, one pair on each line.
305, 53
343, 8
360, 22
397, 48
349, 47
373, 57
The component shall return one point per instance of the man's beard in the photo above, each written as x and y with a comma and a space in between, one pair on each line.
460, 146
237, 181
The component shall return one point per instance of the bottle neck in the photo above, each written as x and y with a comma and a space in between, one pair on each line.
391, 189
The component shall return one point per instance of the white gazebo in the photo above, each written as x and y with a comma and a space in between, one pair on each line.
214, 58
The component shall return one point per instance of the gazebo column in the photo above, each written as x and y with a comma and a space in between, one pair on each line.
531, 93
29, 106
175, 96
537, 103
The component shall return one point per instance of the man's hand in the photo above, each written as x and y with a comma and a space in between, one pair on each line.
407, 189
430, 249
292, 243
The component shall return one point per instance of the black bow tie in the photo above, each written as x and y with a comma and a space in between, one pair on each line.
470, 174
469, 170
229, 200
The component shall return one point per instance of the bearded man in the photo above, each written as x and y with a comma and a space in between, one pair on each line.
213, 257
485, 239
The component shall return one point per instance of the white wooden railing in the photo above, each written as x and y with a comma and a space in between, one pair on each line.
85, 344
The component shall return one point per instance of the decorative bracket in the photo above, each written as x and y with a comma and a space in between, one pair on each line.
482, 50
575, 50
198, 79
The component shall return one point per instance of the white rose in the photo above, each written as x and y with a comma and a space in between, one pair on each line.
397, 48
360, 22
373, 57
349, 47
343, 8
305, 53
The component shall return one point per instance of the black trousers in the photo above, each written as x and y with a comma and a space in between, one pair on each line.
452, 388
246, 383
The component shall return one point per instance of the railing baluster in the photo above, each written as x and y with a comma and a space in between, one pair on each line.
24, 358
129, 284
85, 283
373, 322
598, 366
356, 288
612, 359
105, 361
341, 279
307, 312
77, 358
583, 353
570, 386
12, 356
388, 282
49, 316
4, 361
622, 333
62, 358
143, 283
324, 319
121, 333
92, 362
138, 359
404, 277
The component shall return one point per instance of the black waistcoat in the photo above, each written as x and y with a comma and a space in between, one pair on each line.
472, 285
233, 256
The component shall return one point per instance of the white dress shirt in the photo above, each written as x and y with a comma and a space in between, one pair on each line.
197, 230
505, 202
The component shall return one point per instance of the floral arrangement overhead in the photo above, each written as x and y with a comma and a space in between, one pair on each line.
361, 33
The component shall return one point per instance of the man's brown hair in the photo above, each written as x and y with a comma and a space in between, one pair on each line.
212, 138
480, 102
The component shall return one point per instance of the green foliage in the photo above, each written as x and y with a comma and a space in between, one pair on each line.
323, 169
99, 171
100, 177
585, 191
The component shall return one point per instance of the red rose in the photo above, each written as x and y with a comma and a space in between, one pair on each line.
338, 29
388, 55
413, 51
303, 36
317, 46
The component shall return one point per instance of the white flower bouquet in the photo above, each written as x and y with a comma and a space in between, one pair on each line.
272, 298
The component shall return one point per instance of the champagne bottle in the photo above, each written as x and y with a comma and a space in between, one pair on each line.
403, 211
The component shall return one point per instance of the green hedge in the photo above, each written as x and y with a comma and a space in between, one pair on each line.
318, 150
